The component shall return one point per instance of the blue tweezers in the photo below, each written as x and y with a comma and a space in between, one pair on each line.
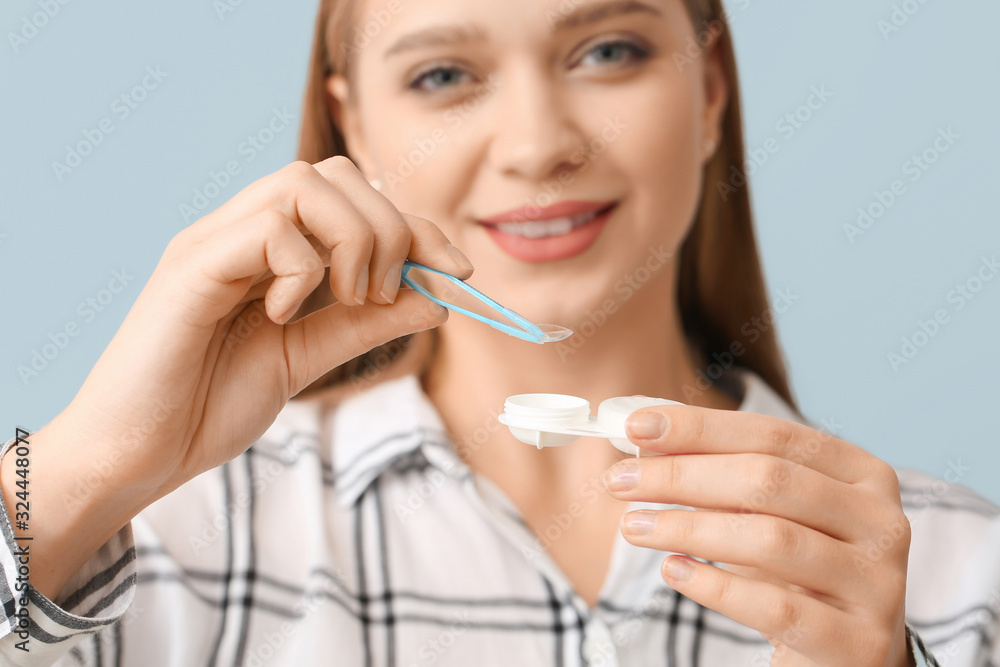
528, 331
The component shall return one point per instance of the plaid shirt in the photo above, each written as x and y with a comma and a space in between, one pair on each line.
358, 537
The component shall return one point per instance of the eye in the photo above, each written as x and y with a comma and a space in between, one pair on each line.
440, 77
615, 52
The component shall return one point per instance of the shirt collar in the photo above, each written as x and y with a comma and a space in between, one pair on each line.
394, 420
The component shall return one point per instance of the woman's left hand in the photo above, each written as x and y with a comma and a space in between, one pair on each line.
810, 528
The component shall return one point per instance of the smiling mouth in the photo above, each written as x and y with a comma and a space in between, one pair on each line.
540, 229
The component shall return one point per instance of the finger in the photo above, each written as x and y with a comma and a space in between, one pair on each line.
268, 241
391, 240
687, 429
749, 483
262, 281
316, 207
430, 247
763, 575
807, 626
329, 337
332, 200
791, 552
398, 236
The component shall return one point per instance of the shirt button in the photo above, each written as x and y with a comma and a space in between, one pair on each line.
599, 648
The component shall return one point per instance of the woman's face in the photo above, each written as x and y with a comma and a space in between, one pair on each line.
558, 143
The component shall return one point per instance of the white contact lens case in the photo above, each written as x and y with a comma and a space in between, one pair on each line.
554, 420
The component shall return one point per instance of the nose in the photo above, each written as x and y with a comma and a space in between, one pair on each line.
535, 135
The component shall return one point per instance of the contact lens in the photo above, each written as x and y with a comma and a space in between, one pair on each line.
554, 333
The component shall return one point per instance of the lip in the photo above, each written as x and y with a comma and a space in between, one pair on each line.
557, 210
552, 248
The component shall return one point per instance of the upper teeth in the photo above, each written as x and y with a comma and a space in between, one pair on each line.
536, 229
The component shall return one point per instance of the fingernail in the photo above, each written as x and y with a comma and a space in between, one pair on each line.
459, 258
390, 286
679, 568
640, 522
361, 288
622, 476
647, 425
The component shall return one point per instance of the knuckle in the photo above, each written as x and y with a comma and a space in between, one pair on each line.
357, 238
787, 612
341, 162
177, 245
778, 538
298, 171
394, 238
403, 235
361, 334
725, 591
309, 264
776, 436
771, 476
694, 424
672, 473
290, 178
886, 476
901, 527
683, 530
273, 223
365, 236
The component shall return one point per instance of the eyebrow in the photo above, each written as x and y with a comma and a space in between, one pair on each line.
451, 35
598, 11
444, 35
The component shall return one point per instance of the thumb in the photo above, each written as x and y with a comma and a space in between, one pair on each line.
333, 335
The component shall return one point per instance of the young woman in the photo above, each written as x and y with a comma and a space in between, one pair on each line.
186, 512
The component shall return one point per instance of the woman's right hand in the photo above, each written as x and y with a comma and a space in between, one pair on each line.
205, 360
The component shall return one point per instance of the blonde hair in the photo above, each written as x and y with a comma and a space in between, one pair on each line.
721, 286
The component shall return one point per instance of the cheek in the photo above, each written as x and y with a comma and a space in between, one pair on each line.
423, 158
659, 152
